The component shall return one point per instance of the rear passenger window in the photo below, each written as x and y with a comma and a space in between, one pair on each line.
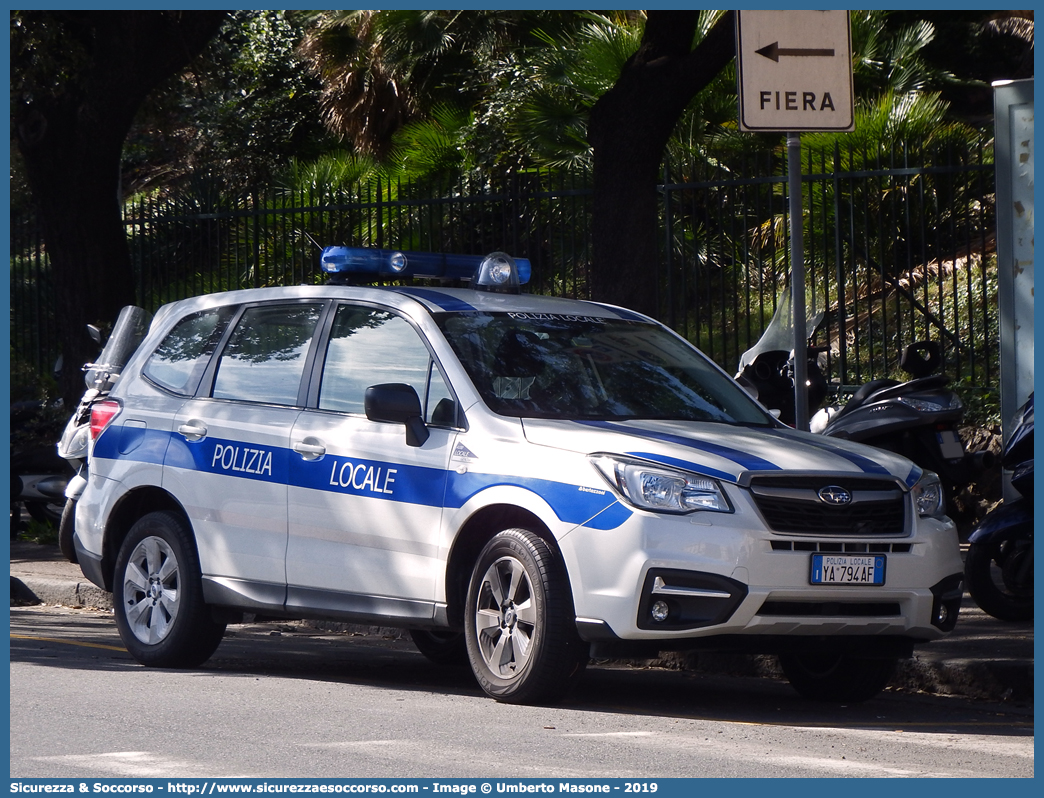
369, 347
265, 356
179, 362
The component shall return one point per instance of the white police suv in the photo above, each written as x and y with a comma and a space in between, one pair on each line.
521, 481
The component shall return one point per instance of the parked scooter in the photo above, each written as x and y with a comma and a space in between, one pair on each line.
766, 370
999, 567
38, 475
131, 326
917, 419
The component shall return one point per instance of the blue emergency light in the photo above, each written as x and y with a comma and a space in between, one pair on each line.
497, 272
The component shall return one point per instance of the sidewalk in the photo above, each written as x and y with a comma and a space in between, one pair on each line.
983, 658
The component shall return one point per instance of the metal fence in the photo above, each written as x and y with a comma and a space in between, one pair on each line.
899, 246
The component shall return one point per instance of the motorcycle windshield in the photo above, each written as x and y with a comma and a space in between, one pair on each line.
128, 332
779, 335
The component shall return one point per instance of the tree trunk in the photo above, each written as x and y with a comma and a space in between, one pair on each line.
71, 141
629, 129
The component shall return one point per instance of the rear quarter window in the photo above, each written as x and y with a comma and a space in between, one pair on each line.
180, 360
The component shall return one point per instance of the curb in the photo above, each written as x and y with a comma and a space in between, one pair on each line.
45, 590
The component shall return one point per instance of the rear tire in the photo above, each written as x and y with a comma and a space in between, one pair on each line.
999, 573
158, 595
519, 621
45, 512
837, 678
441, 647
67, 530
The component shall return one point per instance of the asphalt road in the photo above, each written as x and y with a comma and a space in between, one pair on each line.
281, 701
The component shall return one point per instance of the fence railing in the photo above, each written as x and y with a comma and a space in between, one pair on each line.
899, 247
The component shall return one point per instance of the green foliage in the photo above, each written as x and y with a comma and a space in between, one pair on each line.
892, 59
333, 171
49, 50
445, 100
981, 405
29, 385
432, 147
39, 532
245, 108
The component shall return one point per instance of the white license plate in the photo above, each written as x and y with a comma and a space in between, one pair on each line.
950, 445
848, 569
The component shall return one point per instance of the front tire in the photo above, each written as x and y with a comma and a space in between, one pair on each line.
837, 678
441, 647
519, 622
66, 531
158, 595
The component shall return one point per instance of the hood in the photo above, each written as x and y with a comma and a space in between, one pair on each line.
721, 451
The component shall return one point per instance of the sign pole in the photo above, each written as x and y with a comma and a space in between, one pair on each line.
794, 70
797, 282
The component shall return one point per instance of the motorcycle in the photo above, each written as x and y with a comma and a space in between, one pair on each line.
129, 330
998, 569
766, 370
917, 419
38, 476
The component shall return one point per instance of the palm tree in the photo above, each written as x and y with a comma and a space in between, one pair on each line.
383, 69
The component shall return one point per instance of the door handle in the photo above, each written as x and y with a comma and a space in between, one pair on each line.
193, 430
310, 449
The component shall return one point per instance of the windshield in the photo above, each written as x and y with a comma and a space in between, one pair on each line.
580, 367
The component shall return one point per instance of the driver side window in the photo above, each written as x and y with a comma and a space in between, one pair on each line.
369, 346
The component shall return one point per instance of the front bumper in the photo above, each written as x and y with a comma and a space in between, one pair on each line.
724, 576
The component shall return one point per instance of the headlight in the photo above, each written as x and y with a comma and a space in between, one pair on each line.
928, 496
660, 489
926, 406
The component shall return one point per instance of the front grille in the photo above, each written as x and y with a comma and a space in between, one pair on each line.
793, 505
831, 546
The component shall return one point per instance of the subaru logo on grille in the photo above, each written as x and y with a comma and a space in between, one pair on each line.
834, 494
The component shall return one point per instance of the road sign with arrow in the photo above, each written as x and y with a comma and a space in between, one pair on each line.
795, 70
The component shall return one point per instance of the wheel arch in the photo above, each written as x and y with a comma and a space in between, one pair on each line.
129, 509
469, 542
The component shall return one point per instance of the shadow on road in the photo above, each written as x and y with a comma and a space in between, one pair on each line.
89, 641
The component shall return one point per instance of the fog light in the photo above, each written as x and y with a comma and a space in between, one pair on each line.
941, 615
659, 611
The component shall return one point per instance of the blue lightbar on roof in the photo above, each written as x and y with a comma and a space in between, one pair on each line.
361, 263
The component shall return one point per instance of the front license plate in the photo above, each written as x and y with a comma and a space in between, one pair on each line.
848, 569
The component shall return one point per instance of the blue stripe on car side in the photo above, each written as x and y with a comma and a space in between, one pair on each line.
134, 443
573, 504
374, 479
231, 458
443, 301
750, 462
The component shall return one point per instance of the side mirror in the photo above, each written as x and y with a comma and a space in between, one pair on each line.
397, 403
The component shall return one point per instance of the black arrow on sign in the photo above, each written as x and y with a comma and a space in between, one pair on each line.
774, 51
